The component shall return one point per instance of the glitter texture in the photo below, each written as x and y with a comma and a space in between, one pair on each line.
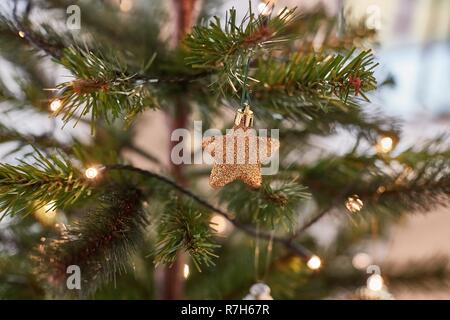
238, 155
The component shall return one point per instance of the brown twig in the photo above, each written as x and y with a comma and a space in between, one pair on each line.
287, 242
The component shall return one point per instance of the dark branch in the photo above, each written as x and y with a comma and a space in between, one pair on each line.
303, 252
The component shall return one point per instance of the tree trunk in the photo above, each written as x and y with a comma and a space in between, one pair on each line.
173, 277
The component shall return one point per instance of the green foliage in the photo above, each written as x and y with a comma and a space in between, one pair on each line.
232, 276
212, 45
419, 182
412, 180
224, 48
182, 227
272, 205
18, 237
102, 88
101, 243
51, 179
304, 86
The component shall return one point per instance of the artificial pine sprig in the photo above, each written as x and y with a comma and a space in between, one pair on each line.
311, 83
212, 46
410, 181
50, 180
224, 48
101, 243
272, 205
182, 227
102, 88
294, 84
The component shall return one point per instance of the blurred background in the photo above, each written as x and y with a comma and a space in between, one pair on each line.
413, 49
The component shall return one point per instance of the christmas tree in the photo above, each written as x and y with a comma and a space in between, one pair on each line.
97, 205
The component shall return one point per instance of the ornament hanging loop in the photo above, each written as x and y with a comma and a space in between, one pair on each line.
244, 116
245, 97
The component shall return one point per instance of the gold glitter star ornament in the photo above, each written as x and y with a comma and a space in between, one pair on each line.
238, 154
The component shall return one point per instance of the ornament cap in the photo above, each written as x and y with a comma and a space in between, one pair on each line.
244, 116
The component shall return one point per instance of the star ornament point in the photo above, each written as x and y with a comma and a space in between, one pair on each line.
238, 156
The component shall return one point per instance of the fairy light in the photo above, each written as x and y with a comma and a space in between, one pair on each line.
284, 13
186, 271
373, 17
375, 282
55, 105
91, 173
21, 34
220, 225
265, 7
314, 262
126, 5
46, 214
381, 189
50, 210
385, 144
354, 204
361, 260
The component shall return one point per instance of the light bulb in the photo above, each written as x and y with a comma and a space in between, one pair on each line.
55, 105
126, 5
265, 8
186, 271
91, 173
21, 34
385, 144
361, 260
284, 13
375, 282
50, 210
220, 225
354, 204
314, 262
46, 214
381, 189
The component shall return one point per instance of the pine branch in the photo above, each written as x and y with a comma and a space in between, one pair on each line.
305, 86
182, 227
212, 45
53, 49
223, 48
297, 248
32, 79
418, 186
141, 33
101, 243
102, 88
50, 180
273, 205
411, 181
